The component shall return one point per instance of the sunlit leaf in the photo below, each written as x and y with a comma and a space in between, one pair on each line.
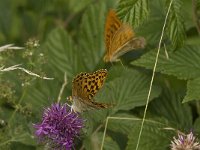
183, 63
193, 88
154, 136
94, 142
133, 11
122, 122
175, 26
62, 53
92, 36
169, 106
128, 90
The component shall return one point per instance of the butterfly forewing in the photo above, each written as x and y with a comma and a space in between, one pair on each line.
112, 26
77, 84
92, 83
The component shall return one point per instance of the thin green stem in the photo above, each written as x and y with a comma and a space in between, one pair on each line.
198, 107
153, 74
195, 15
62, 88
13, 114
104, 133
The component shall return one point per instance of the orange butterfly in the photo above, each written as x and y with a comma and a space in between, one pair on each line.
119, 38
84, 88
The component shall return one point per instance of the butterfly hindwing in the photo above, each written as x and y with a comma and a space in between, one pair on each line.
122, 36
134, 43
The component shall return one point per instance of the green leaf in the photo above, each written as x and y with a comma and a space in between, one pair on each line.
94, 142
122, 122
128, 90
110, 144
169, 106
175, 25
25, 138
133, 11
63, 56
75, 5
193, 88
17, 130
41, 95
97, 116
20, 146
154, 136
91, 43
183, 63
197, 125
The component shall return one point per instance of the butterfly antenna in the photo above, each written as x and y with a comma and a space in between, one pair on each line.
112, 63
166, 53
122, 63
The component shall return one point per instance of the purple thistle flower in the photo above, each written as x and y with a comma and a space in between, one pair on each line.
185, 142
59, 126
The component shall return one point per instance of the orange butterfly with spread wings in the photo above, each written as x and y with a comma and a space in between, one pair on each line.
119, 38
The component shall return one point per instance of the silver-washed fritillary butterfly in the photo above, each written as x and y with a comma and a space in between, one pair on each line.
84, 87
119, 38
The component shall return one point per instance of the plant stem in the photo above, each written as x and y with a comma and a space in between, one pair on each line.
195, 15
62, 88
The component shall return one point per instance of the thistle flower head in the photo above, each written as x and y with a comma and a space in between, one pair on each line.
185, 142
59, 127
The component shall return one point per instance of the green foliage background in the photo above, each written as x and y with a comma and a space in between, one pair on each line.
71, 35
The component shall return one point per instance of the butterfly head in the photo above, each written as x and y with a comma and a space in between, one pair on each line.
69, 98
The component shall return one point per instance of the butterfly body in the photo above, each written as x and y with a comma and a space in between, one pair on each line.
119, 38
84, 88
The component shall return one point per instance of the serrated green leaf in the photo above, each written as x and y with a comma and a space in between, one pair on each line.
41, 95
127, 91
122, 122
154, 137
20, 146
94, 142
169, 106
75, 5
175, 25
25, 138
17, 130
97, 116
125, 5
183, 63
197, 125
133, 11
110, 144
91, 43
193, 88
151, 29
62, 53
